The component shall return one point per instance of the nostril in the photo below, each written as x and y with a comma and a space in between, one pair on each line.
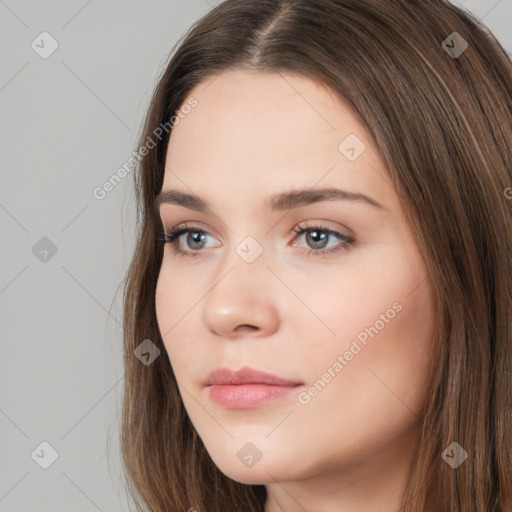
246, 328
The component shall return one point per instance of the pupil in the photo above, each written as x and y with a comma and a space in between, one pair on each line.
196, 235
315, 234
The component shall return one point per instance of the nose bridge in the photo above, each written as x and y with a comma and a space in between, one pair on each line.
244, 267
245, 242
240, 295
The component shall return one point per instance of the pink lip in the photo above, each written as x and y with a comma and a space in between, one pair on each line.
246, 388
245, 375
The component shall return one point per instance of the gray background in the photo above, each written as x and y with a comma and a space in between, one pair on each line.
68, 122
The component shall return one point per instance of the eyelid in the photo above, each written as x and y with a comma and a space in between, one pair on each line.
192, 226
326, 226
305, 225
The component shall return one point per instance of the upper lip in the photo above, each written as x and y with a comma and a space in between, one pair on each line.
245, 375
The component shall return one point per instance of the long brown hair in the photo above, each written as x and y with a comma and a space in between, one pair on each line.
442, 124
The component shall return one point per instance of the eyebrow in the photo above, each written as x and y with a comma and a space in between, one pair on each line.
277, 202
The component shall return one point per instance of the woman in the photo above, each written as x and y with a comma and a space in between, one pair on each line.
323, 274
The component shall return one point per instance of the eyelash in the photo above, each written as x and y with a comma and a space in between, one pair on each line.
173, 237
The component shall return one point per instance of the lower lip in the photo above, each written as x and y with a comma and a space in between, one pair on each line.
246, 396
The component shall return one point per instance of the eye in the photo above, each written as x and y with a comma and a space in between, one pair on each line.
194, 236
316, 237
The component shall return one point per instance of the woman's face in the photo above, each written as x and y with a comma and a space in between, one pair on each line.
348, 316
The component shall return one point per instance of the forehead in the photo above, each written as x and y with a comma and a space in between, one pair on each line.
252, 107
253, 131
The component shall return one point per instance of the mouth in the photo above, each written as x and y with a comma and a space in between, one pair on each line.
246, 388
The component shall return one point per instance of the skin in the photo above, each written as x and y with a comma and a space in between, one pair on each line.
291, 313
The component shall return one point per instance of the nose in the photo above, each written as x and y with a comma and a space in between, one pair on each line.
242, 303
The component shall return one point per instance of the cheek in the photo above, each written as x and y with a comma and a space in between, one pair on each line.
379, 393
173, 303
175, 294
381, 310
380, 280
